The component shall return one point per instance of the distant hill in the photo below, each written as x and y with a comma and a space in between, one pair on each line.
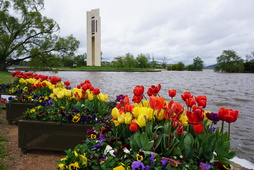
211, 66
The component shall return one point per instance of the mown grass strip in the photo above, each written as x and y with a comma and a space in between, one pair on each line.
5, 77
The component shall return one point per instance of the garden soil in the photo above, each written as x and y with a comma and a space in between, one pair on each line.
14, 159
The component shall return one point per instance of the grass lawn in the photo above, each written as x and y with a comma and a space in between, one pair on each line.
101, 68
5, 77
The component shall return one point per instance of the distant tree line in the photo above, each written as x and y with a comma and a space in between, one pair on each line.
230, 62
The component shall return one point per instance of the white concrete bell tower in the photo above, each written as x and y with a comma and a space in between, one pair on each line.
93, 38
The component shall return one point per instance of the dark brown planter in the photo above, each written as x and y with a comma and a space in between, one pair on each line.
47, 135
14, 111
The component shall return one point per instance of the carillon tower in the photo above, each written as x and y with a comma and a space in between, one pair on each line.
93, 38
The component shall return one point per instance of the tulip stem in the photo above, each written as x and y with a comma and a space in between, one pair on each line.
228, 131
222, 126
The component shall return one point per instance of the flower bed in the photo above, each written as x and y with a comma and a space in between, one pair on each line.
157, 134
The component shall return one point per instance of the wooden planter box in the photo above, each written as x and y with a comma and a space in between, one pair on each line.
47, 135
14, 111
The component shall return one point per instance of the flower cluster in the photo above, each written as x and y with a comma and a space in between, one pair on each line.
157, 134
83, 104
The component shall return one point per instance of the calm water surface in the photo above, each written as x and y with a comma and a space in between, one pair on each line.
230, 90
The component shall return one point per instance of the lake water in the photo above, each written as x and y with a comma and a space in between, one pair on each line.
231, 90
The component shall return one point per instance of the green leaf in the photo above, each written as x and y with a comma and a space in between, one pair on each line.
149, 146
231, 155
223, 150
144, 139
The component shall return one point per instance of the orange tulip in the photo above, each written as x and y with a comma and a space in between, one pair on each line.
156, 102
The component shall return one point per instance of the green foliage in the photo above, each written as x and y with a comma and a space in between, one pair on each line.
142, 61
27, 35
229, 62
129, 61
197, 65
179, 66
249, 67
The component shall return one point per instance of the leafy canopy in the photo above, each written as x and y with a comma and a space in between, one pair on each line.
27, 35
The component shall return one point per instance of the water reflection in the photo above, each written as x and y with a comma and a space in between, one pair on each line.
233, 91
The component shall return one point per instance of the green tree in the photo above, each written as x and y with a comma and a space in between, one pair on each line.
118, 62
27, 35
129, 61
229, 62
80, 60
198, 64
142, 61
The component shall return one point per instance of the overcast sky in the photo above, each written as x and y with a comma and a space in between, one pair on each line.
178, 30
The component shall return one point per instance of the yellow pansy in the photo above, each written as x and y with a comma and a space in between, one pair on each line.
61, 166
119, 168
32, 110
84, 158
75, 153
74, 165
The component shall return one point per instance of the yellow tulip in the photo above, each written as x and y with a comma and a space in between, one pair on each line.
60, 94
67, 93
21, 80
159, 114
184, 120
141, 121
115, 113
56, 90
135, 112
120, 119
102, 97
127, 118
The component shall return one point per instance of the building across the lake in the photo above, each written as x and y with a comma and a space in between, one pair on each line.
93, 38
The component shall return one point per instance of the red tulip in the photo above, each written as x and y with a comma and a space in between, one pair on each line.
186, 95
179, 130
137, 99
195, 117
201, 100
138, 91
96, 91
172, 93
177, 108
133, 126
228, 115
190, 102
199, 128
154, 90
67, 83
